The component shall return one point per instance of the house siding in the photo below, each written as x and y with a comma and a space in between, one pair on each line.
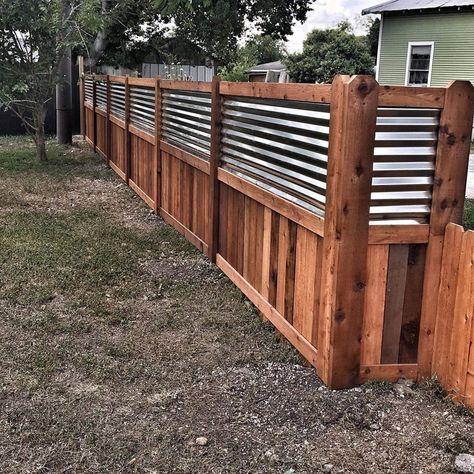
453, 37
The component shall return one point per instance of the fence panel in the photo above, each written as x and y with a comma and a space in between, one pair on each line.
325, 204
453, 357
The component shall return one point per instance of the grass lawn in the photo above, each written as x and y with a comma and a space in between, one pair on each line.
120, 345
469, 214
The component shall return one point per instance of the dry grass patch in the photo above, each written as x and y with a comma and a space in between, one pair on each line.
120, 345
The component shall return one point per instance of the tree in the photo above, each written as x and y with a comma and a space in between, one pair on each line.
216, 25
34, 36
330, 52
257, 50
131, 30
373, 36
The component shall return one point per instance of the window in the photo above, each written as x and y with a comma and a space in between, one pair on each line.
419, 63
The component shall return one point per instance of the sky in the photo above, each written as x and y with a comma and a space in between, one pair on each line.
328, 13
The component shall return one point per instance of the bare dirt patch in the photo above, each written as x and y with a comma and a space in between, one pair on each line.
120, 345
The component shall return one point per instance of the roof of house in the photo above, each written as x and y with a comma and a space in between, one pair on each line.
263, 68
407, 5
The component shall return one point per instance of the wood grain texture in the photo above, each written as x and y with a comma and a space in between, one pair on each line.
142, 166
286, 208
394, 298
388, 372
452, 156
184, 193
307, 350
463, 320
446, 301
306, 92
374, 304
216, 112
350, 163
400, 96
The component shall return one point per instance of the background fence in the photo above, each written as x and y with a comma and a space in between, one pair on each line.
325, 204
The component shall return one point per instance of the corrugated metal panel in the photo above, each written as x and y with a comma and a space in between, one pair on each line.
404, 157
186, 120
88, 84
278, 145
142, 108
117, 99
101, 94
453, 37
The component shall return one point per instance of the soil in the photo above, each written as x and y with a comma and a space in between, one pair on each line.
120, 345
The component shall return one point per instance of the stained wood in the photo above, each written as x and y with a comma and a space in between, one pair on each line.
190, 159
142, 134
266, 249
306, 92
463, 318
399, 234
274, 245
142, 166
307, 350
94, 103
346, 228
286, 208
374, 304
429, 305
194, 239
400, 96
216, 111
388, 372
108, 138
127, 128
157, 151
317, 291
394, 299
118, 79
305, 274
142, 81
116, 121
446, 301
198, 86
452, 156
413, 297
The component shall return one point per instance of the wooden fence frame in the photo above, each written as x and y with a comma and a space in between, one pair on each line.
347, 347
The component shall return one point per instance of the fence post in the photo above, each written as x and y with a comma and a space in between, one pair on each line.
127, 133
449, 188
82, 95
157, 171
108, 138
350, 167
94, 100
213, 169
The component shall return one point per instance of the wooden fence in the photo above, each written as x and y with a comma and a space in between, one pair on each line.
325, 204
454, 343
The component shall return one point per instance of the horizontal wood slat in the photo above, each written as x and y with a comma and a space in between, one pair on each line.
303, 92
197, 86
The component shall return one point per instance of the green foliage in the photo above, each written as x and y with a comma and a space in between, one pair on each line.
134, 29
468, 221
257, 50
330, 52
373, 36
216, 25
34, 35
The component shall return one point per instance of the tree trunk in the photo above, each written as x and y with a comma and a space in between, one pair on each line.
40, 138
